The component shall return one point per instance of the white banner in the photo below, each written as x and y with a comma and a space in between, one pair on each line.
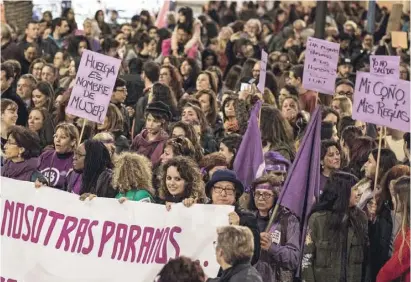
49, 235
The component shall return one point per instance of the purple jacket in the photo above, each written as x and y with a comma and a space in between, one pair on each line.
25, 170
55, 166
74, 180
281, 261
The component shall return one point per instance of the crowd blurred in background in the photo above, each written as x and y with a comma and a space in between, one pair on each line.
176, 121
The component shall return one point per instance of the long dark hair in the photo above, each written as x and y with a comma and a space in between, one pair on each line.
387, 161
336, 200
97, 160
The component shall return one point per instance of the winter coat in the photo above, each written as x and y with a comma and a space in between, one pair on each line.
281, 261
239, 273
10, 51
322, 259
398, 266
25, 170
140, 109
380, 242
55, 167
151, 149
249, 220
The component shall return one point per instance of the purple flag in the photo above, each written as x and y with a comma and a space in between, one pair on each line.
302, 185
249, 161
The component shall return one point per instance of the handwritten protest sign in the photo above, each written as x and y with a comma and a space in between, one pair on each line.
399, 39
50, 235
93, 87
263, 71
387, 66
383, 102
320, 66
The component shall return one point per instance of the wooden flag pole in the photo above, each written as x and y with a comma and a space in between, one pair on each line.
378, 157
82, 132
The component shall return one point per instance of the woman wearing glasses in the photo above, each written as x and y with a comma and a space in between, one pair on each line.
280, 246
224, 188
21, 152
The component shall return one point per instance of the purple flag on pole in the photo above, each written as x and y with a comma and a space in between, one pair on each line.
302, 185
249, 161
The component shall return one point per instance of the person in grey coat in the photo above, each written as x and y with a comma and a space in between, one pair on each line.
234, 250
280, 246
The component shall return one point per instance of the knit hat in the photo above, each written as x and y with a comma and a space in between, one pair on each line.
274, 161
225, 175
160, 108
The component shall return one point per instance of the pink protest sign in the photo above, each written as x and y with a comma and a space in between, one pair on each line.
320, 66
387, 66
263, 71
93, 87
383, 102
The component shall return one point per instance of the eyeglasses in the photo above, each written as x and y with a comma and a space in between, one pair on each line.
11, 143
348, 93
265, 196
163, 74
228, 190
78, 154
123, 89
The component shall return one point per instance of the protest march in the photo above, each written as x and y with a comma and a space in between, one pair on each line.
215, 141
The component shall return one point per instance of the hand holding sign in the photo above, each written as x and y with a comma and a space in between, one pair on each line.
93, 87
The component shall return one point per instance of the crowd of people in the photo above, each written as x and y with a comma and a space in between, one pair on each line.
176, 119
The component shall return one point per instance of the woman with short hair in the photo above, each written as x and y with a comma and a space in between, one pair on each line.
21, 152
234, 250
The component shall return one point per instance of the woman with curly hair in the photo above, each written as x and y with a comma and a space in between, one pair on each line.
181, 182
132, 178
180, 146
181, 129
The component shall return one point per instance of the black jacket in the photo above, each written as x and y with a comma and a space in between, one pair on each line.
22, 112
379, 233
239, 273
249, 220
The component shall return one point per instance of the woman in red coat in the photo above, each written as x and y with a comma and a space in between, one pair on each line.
398, 266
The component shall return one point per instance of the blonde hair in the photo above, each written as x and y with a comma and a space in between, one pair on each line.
236, 242
132, 171
269, 98
345, 105
70, 129
108, 140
